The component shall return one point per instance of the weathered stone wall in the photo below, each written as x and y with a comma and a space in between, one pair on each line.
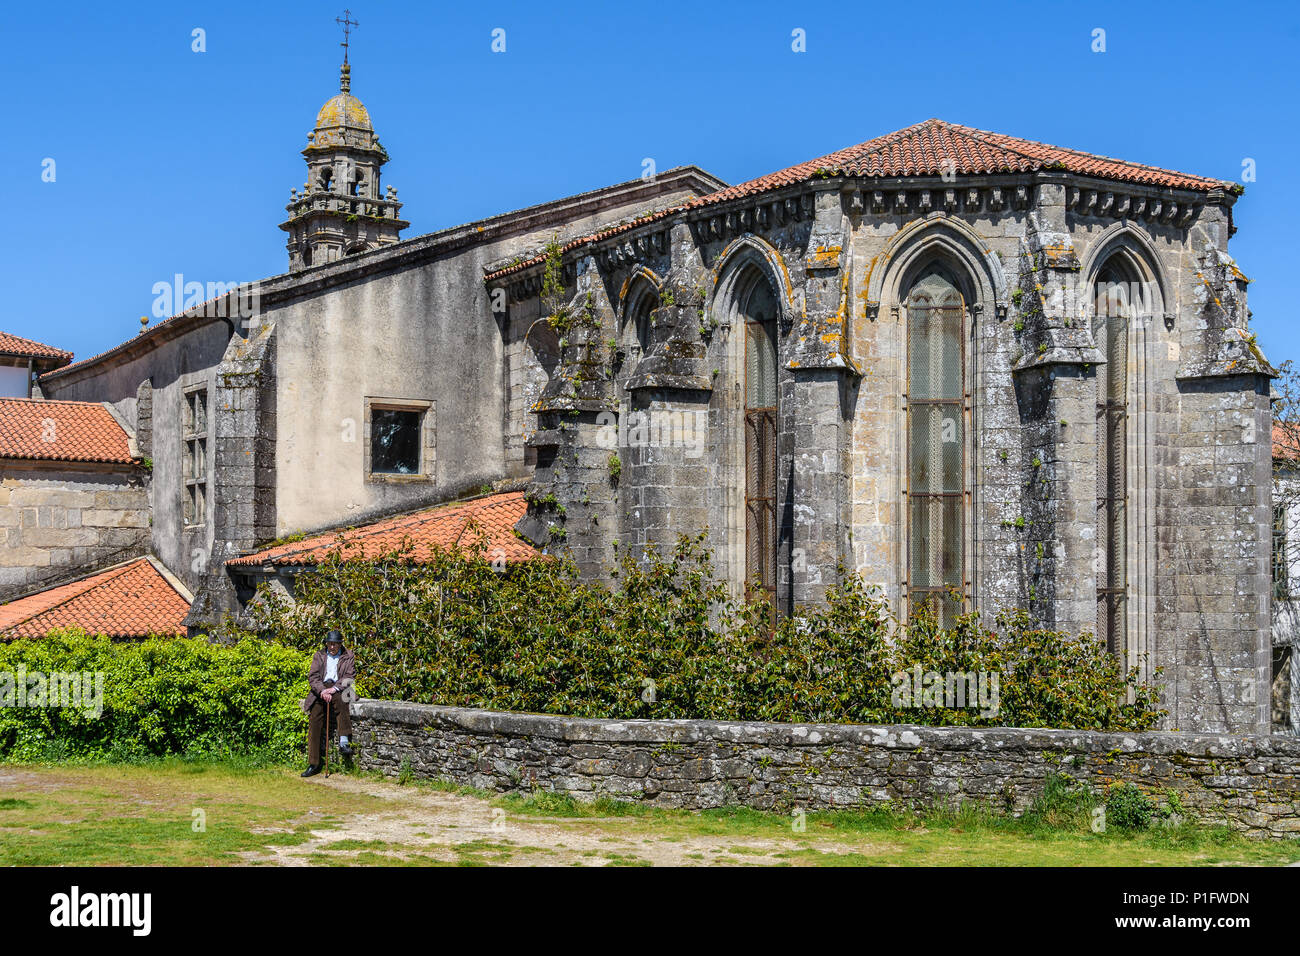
1250, 783
413, 321
242, 453
146, 385
57, 524
287, 424
1026, 253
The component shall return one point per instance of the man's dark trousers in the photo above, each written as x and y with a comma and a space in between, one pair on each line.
316, 720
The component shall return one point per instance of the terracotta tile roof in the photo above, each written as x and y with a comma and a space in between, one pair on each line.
26, 348
493, 517
61, 431
1286, 440
926, 149
135, 599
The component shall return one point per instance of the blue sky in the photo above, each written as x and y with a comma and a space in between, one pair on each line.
168, 161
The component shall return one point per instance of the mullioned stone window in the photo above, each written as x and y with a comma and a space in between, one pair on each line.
936, 459
1110, 331
760, 313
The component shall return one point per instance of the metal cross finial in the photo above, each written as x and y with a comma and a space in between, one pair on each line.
347, 23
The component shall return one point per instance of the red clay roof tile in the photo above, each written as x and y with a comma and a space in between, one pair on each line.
931, 148
61, 431
492, 518
132, 600
27, 348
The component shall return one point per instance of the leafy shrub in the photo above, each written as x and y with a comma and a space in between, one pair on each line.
671, 642
1128, 808
1064, 804
1173, 809
160, 696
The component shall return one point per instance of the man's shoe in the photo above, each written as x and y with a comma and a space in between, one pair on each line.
346, 750
311, 771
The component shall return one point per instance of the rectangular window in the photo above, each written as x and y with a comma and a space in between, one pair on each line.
1281, 589
194, 468
394, 442
399, 439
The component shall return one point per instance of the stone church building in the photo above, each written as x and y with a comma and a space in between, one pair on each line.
982, 371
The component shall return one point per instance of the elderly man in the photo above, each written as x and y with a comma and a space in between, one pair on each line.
332, 673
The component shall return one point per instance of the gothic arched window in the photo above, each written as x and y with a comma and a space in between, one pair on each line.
635, 340
936, 457
760, 318
1111, 320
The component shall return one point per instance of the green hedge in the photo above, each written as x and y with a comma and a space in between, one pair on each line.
160, 696
535, 638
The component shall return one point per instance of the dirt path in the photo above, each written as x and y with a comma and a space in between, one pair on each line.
427, 825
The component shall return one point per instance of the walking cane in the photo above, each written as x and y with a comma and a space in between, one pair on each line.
329, 710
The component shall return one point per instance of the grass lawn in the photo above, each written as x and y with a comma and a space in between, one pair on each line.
195, 813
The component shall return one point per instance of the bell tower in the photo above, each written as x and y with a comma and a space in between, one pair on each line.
341, 210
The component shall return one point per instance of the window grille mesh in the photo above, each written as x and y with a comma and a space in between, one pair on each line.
761, 442
1110, 330
936, 446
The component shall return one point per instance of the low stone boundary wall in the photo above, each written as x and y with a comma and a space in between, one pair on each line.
1251, 783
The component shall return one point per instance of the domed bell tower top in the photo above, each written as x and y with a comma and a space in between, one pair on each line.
341, 210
